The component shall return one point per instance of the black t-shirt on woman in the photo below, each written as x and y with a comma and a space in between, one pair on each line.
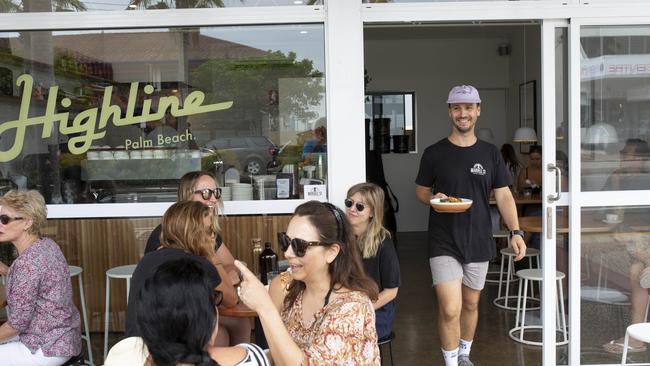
465, 172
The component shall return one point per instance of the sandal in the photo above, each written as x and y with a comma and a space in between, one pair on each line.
615, 347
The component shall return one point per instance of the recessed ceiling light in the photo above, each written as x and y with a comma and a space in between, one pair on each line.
298, 2
303, 32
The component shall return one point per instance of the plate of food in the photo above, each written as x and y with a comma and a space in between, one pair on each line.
451, 204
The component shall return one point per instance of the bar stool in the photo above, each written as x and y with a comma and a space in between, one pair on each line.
503, 300
530, 275
387, 340
639, 331
121, 272
76, 271
496, 235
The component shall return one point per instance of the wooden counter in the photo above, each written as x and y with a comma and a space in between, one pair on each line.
99, 244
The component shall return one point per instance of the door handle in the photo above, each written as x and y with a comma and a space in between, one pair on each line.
558, 182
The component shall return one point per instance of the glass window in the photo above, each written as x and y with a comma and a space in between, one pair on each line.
119, 116
615, 248
435, 1
615, 107
13, 6
390, 120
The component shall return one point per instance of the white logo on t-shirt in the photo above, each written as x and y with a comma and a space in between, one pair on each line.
477, 169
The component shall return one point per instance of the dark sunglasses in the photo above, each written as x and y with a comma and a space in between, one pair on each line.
207, 192
359, 206
4, 219
299, 246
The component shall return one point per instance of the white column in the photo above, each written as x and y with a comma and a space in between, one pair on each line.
345, 107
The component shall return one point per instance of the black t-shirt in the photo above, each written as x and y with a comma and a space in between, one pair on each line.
384, 266
154, 240
465, 172
147, 267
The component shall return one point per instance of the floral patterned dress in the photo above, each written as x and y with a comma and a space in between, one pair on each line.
342, 332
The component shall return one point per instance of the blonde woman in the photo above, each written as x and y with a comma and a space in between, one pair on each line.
43, 325
365, 211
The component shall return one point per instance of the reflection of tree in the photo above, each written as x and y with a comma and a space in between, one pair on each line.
12, 6
175, 4
248, 82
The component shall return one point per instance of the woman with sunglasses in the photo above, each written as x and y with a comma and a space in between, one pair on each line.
43, 326
186, 233
177, 316
201, 186
365, 211
320, 312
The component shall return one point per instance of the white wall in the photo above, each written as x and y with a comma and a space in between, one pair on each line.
430, 67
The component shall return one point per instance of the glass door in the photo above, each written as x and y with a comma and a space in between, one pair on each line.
608, 225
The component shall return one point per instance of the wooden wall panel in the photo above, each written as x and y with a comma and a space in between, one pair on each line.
99, 244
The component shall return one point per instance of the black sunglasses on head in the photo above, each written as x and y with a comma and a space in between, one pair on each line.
299, 246
358, 205
207, 192
5, 219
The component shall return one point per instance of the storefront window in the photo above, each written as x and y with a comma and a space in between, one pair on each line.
118, 116
615, 108
13, 6
614, 282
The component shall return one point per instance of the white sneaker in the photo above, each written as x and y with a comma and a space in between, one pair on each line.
464, 361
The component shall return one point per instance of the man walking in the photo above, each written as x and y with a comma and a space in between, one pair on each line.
461, 244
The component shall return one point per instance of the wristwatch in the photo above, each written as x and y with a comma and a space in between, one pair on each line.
516, 232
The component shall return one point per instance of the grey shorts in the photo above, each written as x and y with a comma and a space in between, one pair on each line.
445, 268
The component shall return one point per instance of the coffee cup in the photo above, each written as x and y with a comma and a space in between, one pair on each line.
611, 218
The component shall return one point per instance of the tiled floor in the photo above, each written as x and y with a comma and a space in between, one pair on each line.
417, 341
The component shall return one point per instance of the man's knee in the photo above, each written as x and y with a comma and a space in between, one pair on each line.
470, 304
449, 313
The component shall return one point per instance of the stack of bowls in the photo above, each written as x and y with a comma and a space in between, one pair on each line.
226, 193
242, 191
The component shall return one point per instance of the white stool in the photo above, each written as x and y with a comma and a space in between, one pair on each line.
121, 272
503, 300
76, 271
496, 235
639, 331
529, 275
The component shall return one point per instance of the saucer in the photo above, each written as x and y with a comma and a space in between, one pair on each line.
612, 222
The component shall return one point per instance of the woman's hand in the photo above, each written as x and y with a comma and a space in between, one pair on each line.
3, 269
251, 290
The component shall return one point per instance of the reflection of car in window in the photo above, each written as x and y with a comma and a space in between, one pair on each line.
251, 153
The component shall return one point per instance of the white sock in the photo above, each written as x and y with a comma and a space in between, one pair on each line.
451, 357
464, 348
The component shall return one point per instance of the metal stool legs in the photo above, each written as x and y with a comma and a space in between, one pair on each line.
387, 340
76, 271
121, 272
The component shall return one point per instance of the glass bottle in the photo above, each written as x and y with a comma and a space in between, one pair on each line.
268, 262
256, 243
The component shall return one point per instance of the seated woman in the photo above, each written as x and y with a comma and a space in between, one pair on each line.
200, 186
365, 210
319, 313
186, 233
177, 317
43, 326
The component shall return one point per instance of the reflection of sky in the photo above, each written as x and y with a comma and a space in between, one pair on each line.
306, 40
94, 5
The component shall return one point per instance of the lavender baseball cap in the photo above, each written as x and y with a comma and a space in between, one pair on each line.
463, 94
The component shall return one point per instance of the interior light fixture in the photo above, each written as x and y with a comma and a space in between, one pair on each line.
524, 133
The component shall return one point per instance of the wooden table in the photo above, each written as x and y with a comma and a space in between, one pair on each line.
589, 224
238, 311
520, 199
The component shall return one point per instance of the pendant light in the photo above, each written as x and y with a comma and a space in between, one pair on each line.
524, 133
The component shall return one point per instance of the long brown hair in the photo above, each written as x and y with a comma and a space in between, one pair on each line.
183, 228
187, 186
346, 270
373, 196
